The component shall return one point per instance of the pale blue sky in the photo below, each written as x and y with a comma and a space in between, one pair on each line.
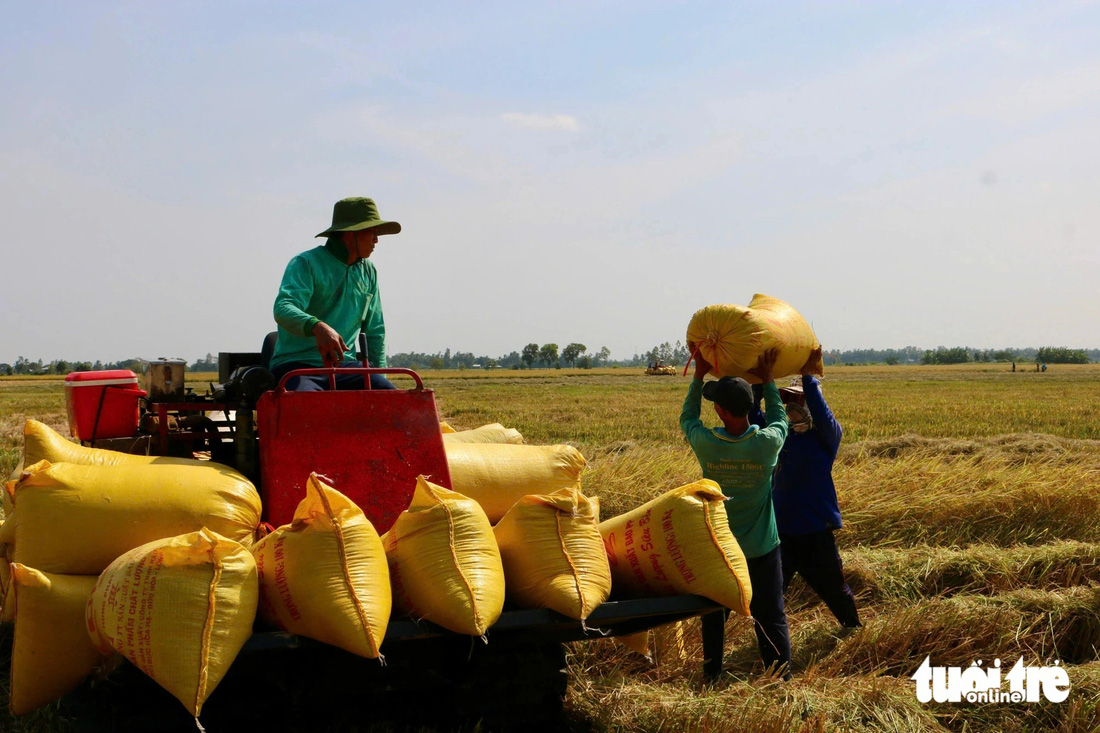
902, 173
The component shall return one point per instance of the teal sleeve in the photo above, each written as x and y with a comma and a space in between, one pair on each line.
689, 413
375, 328
295, 292
775, 415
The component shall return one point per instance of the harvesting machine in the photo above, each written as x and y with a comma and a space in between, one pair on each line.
659, 368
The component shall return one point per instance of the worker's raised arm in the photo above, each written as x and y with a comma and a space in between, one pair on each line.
825, 424
826, 427
775, 415
689, 413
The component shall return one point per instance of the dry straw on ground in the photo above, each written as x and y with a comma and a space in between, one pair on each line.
971, 499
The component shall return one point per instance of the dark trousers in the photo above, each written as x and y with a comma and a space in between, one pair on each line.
769, 616
319, 383
814, 556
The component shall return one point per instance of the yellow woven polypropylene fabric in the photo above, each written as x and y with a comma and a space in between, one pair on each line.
553, 553
492, 433
325, 574
41, 443
444, 563
498, 475
7, 599
76, 519
679, 542
637, 643
51, 651
732, 337
180, 609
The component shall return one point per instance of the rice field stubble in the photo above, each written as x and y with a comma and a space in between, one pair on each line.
970, 496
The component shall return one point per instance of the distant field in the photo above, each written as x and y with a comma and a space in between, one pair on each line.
971, 497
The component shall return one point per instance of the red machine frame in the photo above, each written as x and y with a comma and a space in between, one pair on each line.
371, 444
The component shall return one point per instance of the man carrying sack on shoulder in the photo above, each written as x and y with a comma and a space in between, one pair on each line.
740, 458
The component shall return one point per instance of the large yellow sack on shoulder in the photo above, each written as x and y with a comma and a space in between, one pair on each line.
679, 543
180, 609
553, 553
493, 433
444, 563
51, 652
498, 475
732, 337
76, 519
325, 574
41, 443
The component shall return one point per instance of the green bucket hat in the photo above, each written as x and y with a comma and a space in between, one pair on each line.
357, 213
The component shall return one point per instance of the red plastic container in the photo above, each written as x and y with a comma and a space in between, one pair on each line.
103, 404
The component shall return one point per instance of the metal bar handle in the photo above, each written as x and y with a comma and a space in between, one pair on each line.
333, 371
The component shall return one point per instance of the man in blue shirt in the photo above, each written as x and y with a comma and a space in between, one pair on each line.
804, 496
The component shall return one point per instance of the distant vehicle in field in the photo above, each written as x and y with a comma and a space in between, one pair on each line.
659, 368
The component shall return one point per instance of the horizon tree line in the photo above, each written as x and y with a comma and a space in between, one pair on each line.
576, 355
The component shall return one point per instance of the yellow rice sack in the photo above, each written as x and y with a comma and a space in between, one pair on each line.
7, 599
679, 542
732, 337
445, 428
325, 574
51, 652
180, 609
637, 643
444, 563
76, 519
498, 475
553, 553
493, 433
41, 443
6, 504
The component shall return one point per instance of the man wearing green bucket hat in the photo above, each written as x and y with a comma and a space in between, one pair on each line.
328, 295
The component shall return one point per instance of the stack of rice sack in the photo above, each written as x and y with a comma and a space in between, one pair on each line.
156, 559
732, 337
451, 566
113, 553
555, 552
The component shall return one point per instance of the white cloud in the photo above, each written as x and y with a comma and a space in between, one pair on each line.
543, 122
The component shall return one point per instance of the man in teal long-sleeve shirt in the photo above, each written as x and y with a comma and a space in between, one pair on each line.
329, 295
740, 458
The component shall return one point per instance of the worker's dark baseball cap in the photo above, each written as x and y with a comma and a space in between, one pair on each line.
732, 394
